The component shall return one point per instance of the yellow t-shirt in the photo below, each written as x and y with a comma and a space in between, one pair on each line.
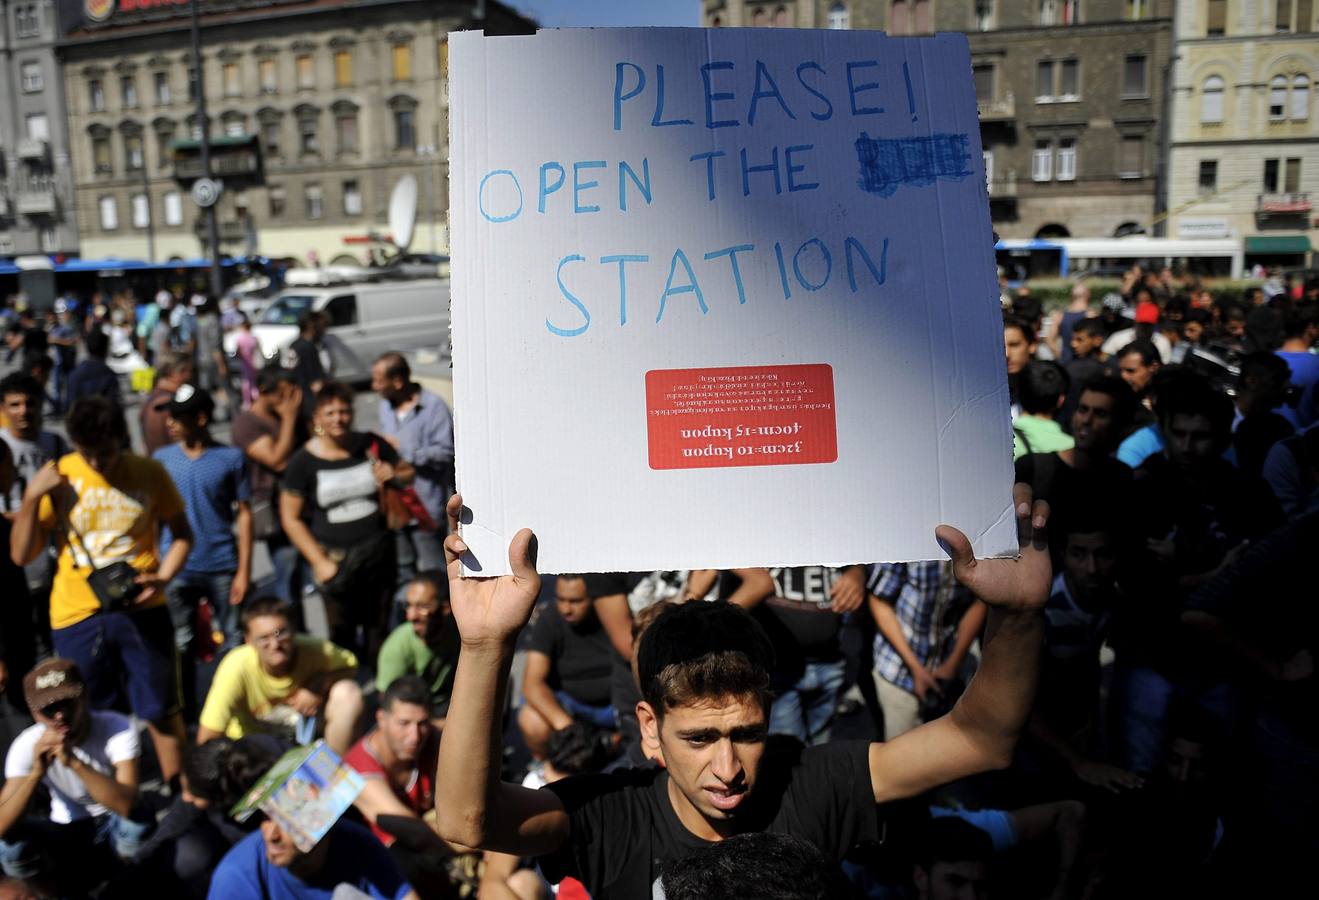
245, 700
119, 518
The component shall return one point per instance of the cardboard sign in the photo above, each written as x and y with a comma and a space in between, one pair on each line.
723, 298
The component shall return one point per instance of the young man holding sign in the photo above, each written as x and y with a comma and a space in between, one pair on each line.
704, 673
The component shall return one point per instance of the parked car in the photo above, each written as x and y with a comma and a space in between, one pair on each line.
365, 320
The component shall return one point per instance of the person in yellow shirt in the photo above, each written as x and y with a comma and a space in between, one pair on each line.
284, 684
105, 507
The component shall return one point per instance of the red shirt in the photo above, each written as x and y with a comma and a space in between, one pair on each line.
419, 793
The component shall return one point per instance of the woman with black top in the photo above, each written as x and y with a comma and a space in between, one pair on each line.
330, 509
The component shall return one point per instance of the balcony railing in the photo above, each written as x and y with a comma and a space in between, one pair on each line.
1003, 187
32, 148
36, 196
998, 109
1283, 204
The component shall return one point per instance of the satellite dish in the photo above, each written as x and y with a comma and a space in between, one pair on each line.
403, 212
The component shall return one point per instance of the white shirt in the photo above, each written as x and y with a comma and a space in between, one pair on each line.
111, 739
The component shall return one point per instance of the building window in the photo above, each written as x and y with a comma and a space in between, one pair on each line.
266, 75
309, 140
1069, 84
37, 126
133, 152
1131, 157
164, 129
161, 82
1138, 9
1216, 17
1067, 159
1271, 170
173, 208
306, 71
109, 214
32, 81
839, 18
1044, 81
988, 157
278, 201
1041, 167
128, 91
983, 74
27, 20
49, 243
1134, 76
96, 95
229, 79
313, 202
352, 199
345, 130
1300, 105
1060, 12
1292, 175
401, 57
195, 127
101, 154
1211, 100
405, 129
343, 68
984, 12
270, 136
1294, 16
141, 210
1277, 98
234, 126
1208, 183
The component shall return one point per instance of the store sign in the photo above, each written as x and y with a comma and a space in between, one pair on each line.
1203, 228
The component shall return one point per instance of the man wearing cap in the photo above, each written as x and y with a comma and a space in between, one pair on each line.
173, 371
213, 481
87, 760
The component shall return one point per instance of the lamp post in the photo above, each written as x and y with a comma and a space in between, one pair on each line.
212, 231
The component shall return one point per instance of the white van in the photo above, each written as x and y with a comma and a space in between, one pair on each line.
365, 320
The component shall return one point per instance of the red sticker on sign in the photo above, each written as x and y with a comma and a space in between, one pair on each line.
743, 416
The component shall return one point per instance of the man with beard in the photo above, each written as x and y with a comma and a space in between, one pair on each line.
426, 645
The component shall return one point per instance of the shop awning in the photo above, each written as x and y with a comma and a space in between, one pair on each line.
1277, 243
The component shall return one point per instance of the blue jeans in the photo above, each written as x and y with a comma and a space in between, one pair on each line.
1142, 698
599, 716
37, 846
186, 591
806, 708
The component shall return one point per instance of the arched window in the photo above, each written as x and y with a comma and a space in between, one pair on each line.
839, 20
1300, 104
1277, 98
1211, 100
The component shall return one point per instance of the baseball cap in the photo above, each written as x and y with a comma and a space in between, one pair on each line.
50, 682
188, 401
1114, 301
1148, 313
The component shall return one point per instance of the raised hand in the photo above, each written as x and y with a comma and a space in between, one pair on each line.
490, 611
1012, 585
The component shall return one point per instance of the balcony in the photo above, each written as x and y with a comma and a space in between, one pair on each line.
33, 148
36, 196
1000, 109
1004, 187
1287, 204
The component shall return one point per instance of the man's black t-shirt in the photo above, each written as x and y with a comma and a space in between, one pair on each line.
306, 363
581, 657
798, 619
624, 828
341, 495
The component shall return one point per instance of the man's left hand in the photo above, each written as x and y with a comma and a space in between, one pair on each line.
1011, 585
152, 586
238, 589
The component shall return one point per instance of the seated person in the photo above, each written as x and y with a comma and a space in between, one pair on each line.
87, 760
569, 666
281, 683
396, 760
952, 860
425, 645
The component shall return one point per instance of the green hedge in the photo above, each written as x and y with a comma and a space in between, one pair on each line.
1056, 292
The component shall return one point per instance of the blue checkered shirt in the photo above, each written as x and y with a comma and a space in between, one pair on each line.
929, 603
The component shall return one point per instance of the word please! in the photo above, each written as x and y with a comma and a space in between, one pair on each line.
811, 266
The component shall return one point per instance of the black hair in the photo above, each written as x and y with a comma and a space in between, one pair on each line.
1041, 385
764, 864
1262, 365
1124, 399
98, 343
952, 840
702, 650
265, 606
1092, 327
270, 378
395, 365
1149, 354
1028, 309
1026, 328
1298, 319
439, 579
409, 689
1194, 396
21, 383
578, 749
332, 391
306, 319
35, 359
96, 422
1176, 304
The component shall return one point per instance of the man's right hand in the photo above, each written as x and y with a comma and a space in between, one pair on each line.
325, 570
922, 682
45, 480
49, 747
490, 611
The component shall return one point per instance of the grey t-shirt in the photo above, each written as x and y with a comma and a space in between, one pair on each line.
29, 456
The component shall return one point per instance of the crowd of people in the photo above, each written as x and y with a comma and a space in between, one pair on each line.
1126, 708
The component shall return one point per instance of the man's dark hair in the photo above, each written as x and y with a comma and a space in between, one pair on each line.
270, 378
439, 579
1028, 309
33, 360
1200, 316
1176, 306
1026, 328
700, 651
204, 768
306, 319
1196, 397
1092, 327
1149, 354
406, 689
762, 864
21, 383
1041, 385
1124, 400
96, 422
265, 606
332, 391
1262, 365
98, 343
578, 749
949, 839
1297, 319
395, 365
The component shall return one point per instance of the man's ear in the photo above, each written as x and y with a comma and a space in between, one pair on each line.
650, 732
380, 718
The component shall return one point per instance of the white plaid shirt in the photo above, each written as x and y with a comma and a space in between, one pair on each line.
929, 603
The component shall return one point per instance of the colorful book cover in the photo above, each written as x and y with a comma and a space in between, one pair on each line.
305, 792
